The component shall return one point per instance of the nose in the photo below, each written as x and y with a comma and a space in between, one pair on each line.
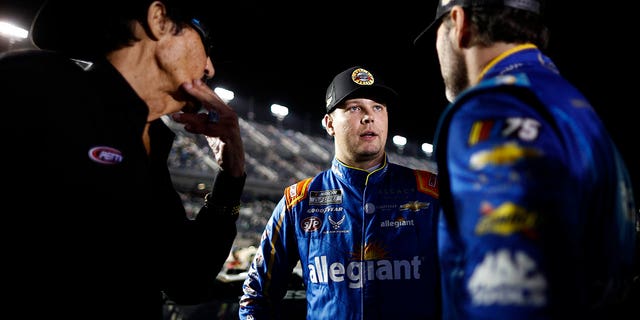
366, 119
209, 70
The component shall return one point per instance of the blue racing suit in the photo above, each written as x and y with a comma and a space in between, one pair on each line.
366, 242
538, 216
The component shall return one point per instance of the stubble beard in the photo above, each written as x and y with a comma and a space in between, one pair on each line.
455, 74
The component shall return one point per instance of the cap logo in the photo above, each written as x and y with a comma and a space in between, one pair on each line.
444, 3
330, 95
329, 100
362, 77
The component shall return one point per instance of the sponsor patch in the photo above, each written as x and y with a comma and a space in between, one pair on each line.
414, 206
507, 278
480, 131
505, 154
325, 197
296, 192
397, 223
321, 270
105, 155
324, 210
506, 219
427, 182
311, 224
336, 223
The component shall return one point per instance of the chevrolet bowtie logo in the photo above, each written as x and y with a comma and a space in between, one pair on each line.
414, 206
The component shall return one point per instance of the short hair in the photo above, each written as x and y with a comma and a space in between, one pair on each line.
117, 30
506, 24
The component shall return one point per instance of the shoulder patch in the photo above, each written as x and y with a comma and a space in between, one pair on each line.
427, 182
296, 192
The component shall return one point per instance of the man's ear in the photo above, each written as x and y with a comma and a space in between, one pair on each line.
157, 21
328, 124
460, 25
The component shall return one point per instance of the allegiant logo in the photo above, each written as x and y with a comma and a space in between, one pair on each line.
356, 272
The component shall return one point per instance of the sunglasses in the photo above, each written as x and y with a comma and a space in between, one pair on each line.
203, 32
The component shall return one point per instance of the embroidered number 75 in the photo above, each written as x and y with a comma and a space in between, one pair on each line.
526, 129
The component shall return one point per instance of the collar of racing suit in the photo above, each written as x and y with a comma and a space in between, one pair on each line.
357, 177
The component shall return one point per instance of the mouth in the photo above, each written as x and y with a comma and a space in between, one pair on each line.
368, 134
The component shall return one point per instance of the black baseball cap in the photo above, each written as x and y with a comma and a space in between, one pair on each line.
357, 82
444, 6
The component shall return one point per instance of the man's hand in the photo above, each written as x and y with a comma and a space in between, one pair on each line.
220, 125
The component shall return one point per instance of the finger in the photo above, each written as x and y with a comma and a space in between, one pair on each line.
182, 117
203, 93
201, 123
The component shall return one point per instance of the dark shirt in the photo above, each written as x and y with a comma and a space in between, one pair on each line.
101, 229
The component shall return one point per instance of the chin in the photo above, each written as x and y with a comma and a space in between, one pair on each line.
370, 152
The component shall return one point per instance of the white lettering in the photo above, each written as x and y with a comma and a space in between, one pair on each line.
336, 272
357, 272
396, 223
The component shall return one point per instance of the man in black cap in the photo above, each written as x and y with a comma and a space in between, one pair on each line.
364, 231
539, 220
108, 234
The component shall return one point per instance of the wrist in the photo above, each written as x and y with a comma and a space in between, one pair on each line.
220, 209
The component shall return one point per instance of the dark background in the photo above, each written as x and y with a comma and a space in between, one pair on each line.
287, 53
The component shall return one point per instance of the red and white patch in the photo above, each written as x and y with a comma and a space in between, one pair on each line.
105, 155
